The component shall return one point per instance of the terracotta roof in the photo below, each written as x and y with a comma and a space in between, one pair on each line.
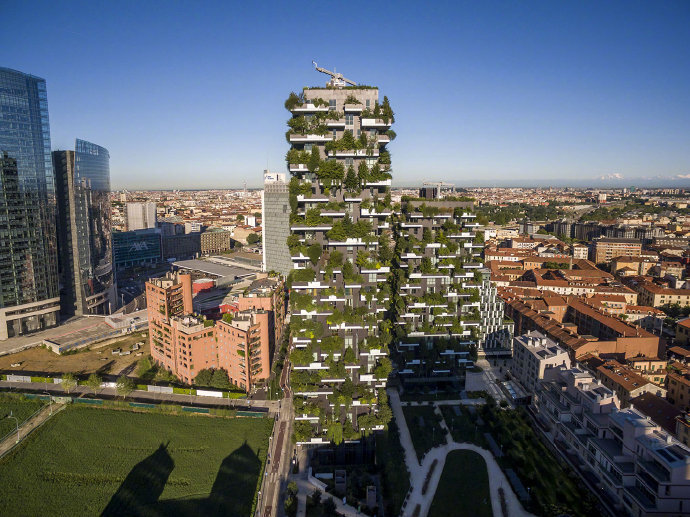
662, 412
625, 377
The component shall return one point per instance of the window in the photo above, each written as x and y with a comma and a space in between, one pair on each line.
331, 105
349, 119
368, 103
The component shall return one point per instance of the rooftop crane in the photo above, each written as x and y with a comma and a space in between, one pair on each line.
336, 78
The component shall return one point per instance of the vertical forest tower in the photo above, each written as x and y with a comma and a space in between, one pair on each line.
341, 247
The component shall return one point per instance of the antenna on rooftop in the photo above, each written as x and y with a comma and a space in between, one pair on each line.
336, 78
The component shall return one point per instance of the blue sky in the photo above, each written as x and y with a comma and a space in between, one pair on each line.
190, 94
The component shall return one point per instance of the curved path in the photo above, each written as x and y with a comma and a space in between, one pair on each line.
497, 478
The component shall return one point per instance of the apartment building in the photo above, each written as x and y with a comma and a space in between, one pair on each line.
606, 248
535, 357
626, 382
341, 248
656, 295
243, 343
678, 385
580, 328
639, 468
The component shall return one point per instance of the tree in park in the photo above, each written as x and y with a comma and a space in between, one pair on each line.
124, 386
203, 378
220, 379
69, 381
253, 238
94, 382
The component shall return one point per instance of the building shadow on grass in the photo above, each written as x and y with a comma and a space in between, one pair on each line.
232, 492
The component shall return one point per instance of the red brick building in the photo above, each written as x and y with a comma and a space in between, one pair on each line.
243, 345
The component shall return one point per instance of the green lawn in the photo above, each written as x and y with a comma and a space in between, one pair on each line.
424, 428
464, 487
89, 461
462, 427
20, 407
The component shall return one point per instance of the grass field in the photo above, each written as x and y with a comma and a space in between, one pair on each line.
88, 461
464, 487
20, 408
424, 428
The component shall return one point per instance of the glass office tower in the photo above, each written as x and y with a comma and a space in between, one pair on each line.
84, 231
29, 295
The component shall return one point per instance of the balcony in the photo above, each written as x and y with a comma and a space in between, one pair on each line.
320, 228
375, 123
357, 108
382, 183
298, 167
309, 108
355, 153
368, 212
383, 139
304, 139
336, 123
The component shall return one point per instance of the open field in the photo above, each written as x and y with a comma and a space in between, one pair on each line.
88, 461
464, 487
94, 358
20, 408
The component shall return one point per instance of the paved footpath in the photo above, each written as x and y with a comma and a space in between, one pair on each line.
27, 427
419, 471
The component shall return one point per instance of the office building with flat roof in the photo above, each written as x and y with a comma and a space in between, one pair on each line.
140, 215
275, 222
87, 279
29, 292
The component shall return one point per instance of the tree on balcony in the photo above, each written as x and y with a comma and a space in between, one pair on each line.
351, 181
293, 101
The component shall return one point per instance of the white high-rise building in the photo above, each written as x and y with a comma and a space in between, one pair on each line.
141, 216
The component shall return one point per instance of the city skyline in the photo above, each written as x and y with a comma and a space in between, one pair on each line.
528, 95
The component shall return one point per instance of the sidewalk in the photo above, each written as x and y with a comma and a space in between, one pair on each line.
139, 395
418, 471
27, 427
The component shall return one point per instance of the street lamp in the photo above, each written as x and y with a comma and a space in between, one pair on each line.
16, 420
50, 402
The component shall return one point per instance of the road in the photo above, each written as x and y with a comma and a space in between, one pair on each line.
280, 454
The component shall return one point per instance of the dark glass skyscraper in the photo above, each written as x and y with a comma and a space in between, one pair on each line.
84, 232
29, 296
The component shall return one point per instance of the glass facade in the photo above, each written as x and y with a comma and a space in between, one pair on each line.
136, 248
28, 246
84, 229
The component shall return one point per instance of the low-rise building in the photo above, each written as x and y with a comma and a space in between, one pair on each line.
626, 382
534, 355
678, 386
